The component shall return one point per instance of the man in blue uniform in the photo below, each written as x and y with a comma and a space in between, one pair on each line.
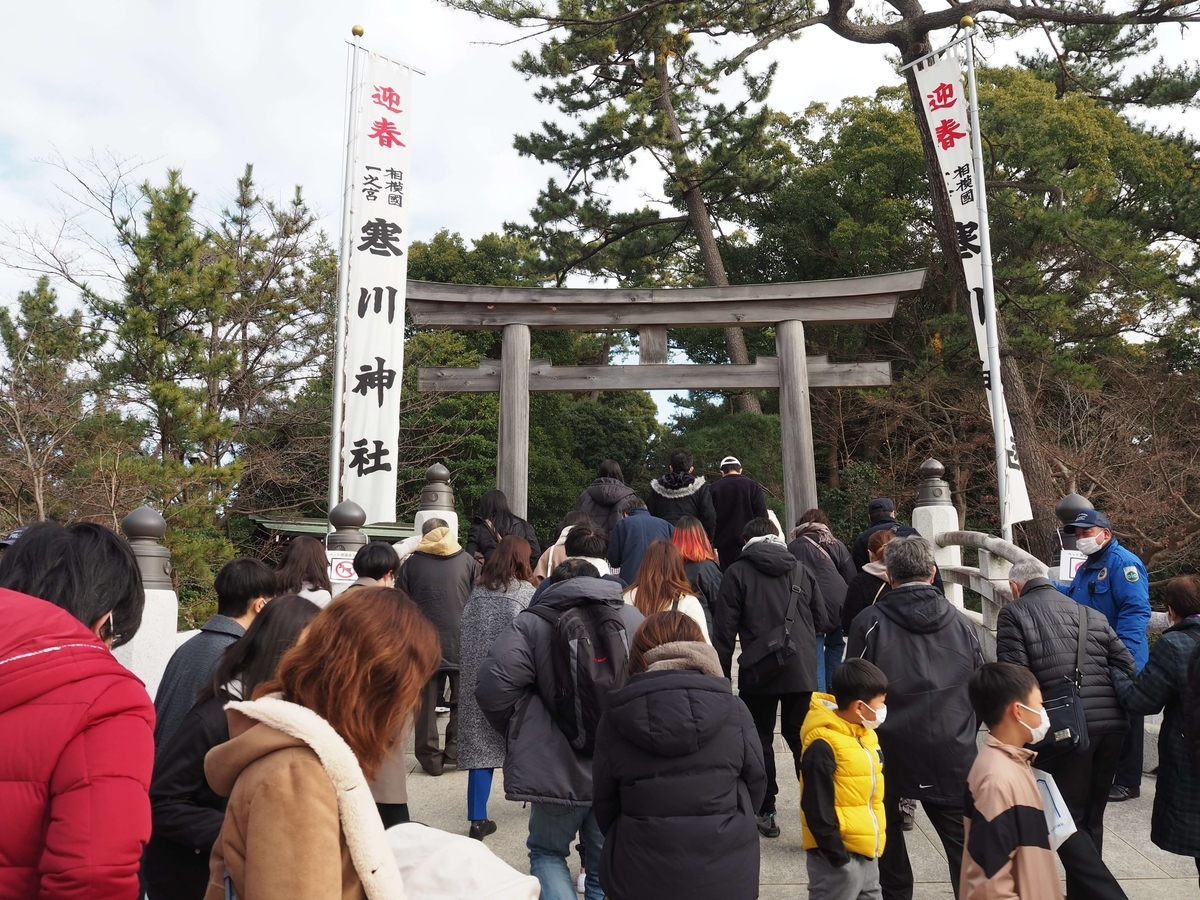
1113, 581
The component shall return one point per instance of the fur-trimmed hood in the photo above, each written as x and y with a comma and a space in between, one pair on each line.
260, 727
688, 485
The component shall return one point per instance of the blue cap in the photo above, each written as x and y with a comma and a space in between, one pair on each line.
1089, 518
13, 537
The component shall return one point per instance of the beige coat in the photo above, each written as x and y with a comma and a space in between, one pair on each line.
1006, 830
300, 821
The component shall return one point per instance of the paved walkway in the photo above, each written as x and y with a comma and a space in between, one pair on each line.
1146, 872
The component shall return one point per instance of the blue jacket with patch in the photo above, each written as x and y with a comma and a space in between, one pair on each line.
1114, 582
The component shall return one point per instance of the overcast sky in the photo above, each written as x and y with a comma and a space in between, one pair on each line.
207, 87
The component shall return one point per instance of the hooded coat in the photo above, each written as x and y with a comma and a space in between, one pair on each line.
76, 754
928, 650
679, 494
600, 500
300, 820
439, 577
868, 588
540, 765
829, 561
755, 595
1040, 631
678, 776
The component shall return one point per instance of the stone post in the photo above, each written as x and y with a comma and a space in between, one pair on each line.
150, 650
347, 519
933, 514
437, 500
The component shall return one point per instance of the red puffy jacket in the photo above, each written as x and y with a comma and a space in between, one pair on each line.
76, 754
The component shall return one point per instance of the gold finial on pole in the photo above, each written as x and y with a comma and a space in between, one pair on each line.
964, 22
357, 30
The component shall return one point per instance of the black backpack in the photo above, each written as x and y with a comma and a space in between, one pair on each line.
1191, 702
590, 654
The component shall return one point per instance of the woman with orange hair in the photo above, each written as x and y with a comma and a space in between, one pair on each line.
300, 820
699, 563
662, 584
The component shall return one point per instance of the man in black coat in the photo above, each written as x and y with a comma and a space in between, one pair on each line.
1041, 632
682, 493
756, 595
736, 500
928, 650
438, 576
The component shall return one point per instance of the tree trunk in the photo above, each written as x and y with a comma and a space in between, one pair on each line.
701, 222
1020, 410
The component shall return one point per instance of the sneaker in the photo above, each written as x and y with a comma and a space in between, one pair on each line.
1118, 793
581, 884
481, 829
767, 826
908, 814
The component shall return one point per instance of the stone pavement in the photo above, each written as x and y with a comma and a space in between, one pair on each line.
1146, 872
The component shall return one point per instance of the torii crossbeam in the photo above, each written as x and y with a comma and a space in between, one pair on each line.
787, 307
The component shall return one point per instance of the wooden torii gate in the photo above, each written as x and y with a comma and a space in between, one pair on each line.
787, 307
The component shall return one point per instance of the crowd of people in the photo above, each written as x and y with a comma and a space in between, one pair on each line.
599, 674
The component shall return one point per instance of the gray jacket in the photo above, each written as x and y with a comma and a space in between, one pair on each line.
190, 668
540, 765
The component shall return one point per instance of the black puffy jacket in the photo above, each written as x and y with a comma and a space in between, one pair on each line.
482, 540
831, 565
677, 778
1041, 632
705, 579
600, 500
928, 650
755, 595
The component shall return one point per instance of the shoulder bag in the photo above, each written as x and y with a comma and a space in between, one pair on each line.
1068, 725
764, 657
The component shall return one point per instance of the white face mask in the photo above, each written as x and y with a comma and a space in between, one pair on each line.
1089, 545
1043, 727
880, 718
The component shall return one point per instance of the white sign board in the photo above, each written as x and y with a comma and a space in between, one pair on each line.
341, 566
1069, 562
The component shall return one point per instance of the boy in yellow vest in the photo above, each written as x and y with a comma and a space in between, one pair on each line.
841, 785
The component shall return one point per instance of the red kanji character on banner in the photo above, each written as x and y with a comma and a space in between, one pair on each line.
385, 132
942, 97
948, 134
387, 98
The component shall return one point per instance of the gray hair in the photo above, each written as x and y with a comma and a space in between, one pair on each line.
909, 559
431, 524
1024, 572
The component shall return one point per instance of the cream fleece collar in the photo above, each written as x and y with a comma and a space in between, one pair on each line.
373, 858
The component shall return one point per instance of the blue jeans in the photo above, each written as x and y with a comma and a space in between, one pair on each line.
830, 648
479, 788
551, 830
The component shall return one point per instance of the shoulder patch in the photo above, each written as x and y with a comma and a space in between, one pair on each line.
1103, 574
1131, 574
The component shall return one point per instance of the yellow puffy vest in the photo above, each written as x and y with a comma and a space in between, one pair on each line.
857, 780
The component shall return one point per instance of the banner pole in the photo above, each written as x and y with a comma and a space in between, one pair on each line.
339, 353
989, 295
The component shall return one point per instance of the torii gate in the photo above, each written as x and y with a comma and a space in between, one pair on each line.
787, 307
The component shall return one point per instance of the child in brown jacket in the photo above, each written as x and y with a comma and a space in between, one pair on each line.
1007, 842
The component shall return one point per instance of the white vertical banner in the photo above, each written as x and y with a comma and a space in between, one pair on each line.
940, 82
378, 272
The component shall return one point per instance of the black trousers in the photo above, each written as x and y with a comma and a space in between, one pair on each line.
1084, 780
1129, 770
792, 709
426, 741
895, 870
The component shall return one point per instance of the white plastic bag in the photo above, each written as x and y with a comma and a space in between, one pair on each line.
437, 865
1058, 818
